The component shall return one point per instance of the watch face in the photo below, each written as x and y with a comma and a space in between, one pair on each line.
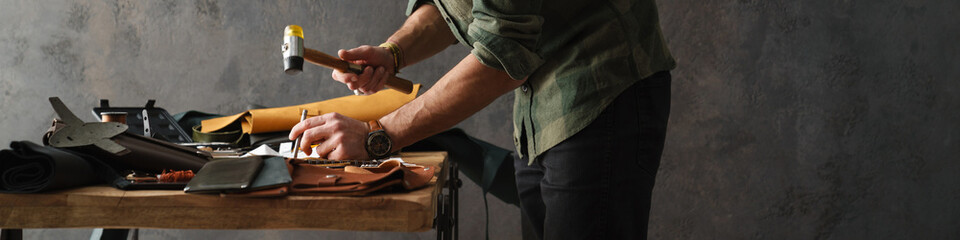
378, 144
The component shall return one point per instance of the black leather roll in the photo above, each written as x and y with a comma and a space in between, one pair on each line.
28, 168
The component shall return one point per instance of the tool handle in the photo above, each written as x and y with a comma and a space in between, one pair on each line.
322, 59
399, 84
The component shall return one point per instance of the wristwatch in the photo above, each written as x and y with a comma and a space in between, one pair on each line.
378, 143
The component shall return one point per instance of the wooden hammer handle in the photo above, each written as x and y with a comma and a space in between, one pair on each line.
399, 84
322, 59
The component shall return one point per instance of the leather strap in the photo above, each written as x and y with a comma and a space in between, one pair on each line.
375, 125
234, 137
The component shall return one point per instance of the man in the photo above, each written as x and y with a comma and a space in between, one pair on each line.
592, 98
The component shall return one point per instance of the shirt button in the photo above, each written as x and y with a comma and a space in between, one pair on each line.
524, 88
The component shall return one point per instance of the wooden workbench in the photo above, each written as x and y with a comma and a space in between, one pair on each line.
107, 207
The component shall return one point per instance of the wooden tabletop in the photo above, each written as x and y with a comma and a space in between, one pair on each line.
107, 207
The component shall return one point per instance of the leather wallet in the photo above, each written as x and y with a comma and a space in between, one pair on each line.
273, 174
221, 175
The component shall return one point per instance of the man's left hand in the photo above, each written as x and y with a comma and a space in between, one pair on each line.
339, 137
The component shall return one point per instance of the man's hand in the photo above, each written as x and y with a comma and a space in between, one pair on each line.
379, 66
339, 137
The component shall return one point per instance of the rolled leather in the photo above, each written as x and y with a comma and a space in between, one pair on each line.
363, 108
29, 168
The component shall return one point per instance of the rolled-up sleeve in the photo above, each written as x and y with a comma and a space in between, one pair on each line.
506, 34
412, 5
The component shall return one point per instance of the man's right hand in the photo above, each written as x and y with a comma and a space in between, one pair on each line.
379, 66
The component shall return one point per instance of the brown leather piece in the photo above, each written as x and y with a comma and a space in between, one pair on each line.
154, 155
354, 169
311, 179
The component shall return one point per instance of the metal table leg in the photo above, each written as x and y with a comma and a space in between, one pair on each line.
11, 234
115, 234
448, 206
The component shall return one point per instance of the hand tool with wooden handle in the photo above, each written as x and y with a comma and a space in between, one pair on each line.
294, 54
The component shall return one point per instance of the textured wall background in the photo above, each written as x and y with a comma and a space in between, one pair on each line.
791, 119
812, 120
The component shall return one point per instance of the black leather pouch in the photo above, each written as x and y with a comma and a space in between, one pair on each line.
223, 175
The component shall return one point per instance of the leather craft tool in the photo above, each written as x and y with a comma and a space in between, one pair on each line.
118, 148
296, 146
146, 120
78, 133
294, 54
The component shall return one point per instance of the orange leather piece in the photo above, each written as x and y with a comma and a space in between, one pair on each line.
354, 169
363, 108
315, 180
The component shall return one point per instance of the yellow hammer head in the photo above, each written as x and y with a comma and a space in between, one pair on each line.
293, 30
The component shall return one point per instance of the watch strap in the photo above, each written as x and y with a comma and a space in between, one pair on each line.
375, 125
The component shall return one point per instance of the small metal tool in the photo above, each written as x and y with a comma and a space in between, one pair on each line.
296, 145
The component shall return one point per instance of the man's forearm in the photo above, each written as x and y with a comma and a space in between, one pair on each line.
466, 89
424, 34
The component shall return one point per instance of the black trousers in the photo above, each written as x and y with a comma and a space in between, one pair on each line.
597, 184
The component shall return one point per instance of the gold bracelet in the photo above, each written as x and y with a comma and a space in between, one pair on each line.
397, 55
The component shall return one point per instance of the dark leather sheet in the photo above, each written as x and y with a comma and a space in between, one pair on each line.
28, 168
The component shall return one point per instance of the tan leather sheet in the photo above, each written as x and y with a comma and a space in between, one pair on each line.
363, 108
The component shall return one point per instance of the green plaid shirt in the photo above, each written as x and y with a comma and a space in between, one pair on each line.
577, 55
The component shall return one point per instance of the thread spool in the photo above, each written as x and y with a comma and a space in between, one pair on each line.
117, 117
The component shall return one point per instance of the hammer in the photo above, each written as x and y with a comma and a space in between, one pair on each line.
294, 53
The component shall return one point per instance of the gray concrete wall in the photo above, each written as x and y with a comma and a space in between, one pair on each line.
791, 119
